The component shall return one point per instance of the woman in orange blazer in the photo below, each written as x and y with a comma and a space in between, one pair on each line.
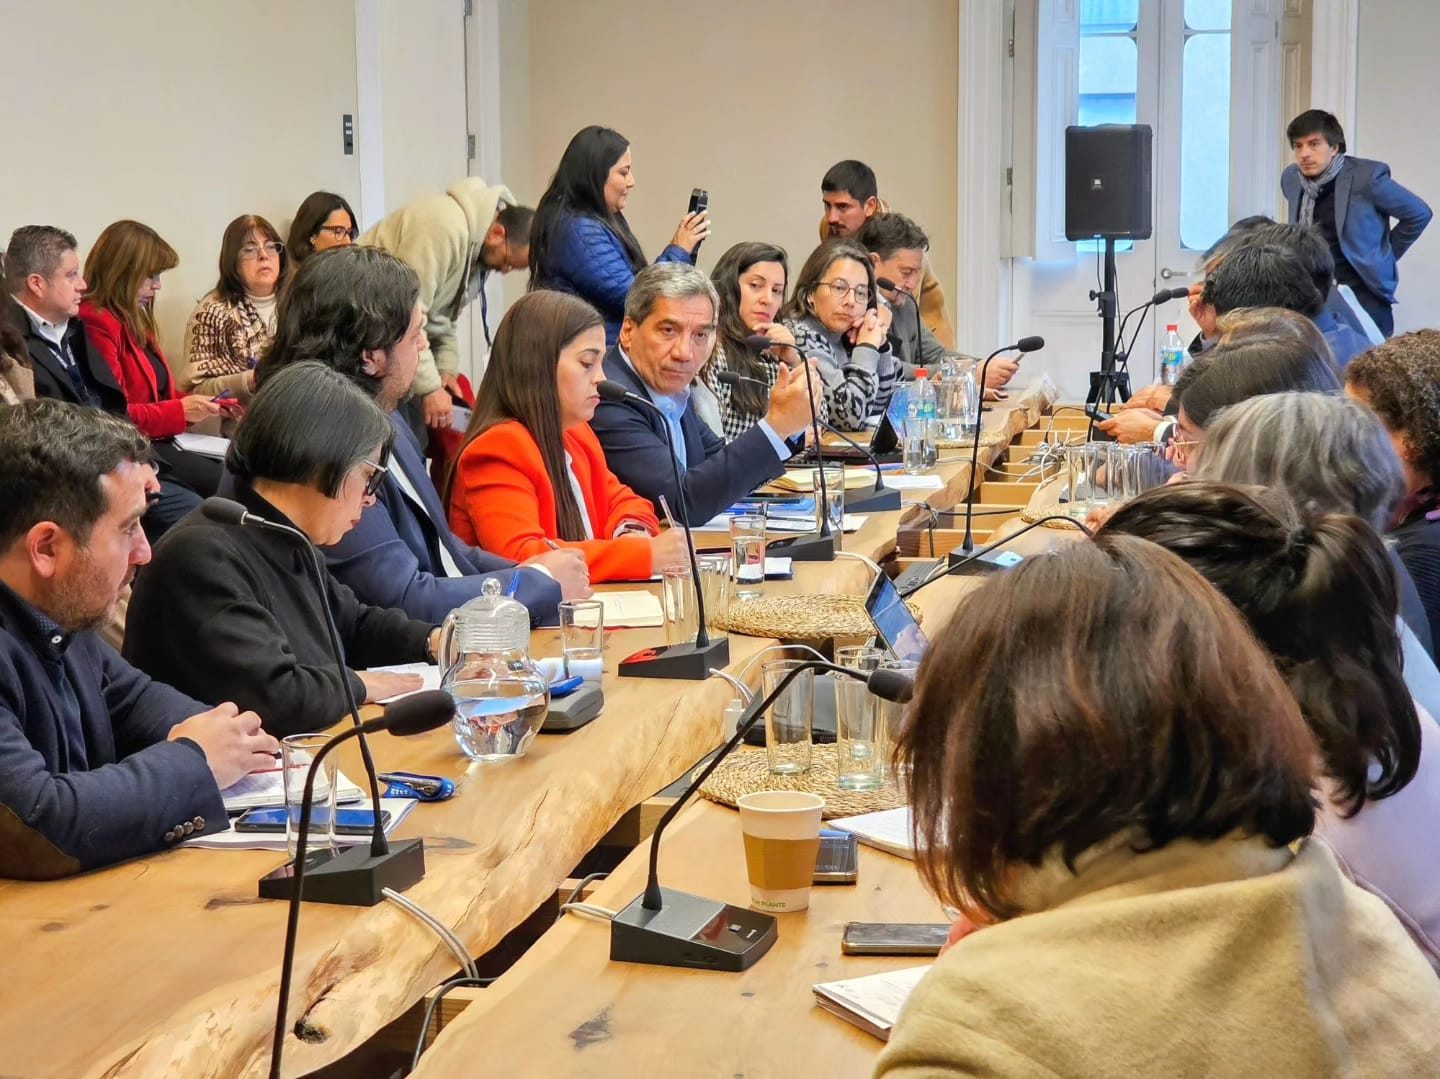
122, 277
531, 474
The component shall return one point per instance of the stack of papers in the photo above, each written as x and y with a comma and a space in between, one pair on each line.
630, 610
207, 445
230, 839
802, 479
889, 830
268, 789
429, 678
901, 481
873, 1002
780, 521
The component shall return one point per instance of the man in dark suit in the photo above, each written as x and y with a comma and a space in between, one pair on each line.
667, 335
402, 553
1352, 201
43, 281
97, 762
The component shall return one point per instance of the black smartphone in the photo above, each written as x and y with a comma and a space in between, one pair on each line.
699, 200
347, 821
894, 938
838, 861
1096, 415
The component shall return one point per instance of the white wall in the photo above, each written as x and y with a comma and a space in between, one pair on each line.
178, 113
752, 100
1397, 60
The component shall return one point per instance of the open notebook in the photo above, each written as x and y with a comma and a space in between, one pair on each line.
873, 1002
888, 830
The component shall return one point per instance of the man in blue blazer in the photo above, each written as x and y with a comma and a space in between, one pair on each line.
1352, 201
667, 335
402, 553
98, 763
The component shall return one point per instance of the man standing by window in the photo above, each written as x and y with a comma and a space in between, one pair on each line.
1351, 201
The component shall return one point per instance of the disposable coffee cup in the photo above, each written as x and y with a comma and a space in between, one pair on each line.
782, 840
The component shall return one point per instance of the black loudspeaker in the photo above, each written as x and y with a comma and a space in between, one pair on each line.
1107, 182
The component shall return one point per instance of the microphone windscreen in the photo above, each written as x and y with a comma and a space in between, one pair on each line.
419, 712
1030, 344
225, 510
885, 283
890, 685
760, 341
611, 391
729, 378
1165, 295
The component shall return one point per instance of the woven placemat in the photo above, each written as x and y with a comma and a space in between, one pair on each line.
987, 438
1032, 514
805, 618
746, 773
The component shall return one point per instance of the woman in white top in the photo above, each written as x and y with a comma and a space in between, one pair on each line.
1318, 590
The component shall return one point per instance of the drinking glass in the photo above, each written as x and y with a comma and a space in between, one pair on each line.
678, 599
859, 741
297, 751
715, 587
747, 553
787, 723
582, 638
834, 500
892, 717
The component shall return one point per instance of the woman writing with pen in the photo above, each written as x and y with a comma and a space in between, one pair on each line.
531, 473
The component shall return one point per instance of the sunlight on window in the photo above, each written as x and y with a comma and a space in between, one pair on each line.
1205, 124
1109, 73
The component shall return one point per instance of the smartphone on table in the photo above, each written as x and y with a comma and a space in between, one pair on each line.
347, 821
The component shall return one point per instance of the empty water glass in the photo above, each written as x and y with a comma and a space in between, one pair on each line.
715, 588
859, 741
788, 723
747, 554
678, 599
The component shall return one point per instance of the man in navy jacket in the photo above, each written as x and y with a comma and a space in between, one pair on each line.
1351, 201
356, 309
667, 335
98, 763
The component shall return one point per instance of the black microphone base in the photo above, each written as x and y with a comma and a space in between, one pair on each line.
887, 498
685, 661
691, 931
352, 878
963, 564
807, 548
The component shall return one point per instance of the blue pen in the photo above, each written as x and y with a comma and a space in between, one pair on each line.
514, 585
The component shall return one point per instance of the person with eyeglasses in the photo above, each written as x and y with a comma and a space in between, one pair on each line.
454, 242
324, 220
229, 613
837, 319
232, 327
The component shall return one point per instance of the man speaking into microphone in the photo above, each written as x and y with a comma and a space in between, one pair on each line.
668, 332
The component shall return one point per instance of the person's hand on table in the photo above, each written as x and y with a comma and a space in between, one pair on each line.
439, 408
1131, 425
996, 395
382, 685
233, 742
668, 549
1155, 397
568, 567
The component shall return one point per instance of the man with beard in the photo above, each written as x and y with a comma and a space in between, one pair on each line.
98, 763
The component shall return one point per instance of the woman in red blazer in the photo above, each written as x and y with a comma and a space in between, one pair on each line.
122, 276
531, 474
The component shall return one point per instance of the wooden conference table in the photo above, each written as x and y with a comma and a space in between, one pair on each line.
169, 965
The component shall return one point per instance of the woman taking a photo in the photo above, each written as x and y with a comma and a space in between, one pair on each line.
123, 277
233, 325
580, 241
531, 475
1128, 841
324, 220
835, 320
750, 279
228, 613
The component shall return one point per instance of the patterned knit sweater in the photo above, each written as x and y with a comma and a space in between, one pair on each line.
223, 342
859, 381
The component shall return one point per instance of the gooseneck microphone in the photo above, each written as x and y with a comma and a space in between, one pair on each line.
416, 714
881, 498
1025, 344
821, 546
228, 511
699, 932
981, 561
689, 661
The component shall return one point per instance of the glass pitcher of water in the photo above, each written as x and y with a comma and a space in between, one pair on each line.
501, 697
958, 399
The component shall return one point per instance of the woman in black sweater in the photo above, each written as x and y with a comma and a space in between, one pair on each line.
1400, 380
231, 613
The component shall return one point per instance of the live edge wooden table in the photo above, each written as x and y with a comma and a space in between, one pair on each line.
564, 1009
169, 965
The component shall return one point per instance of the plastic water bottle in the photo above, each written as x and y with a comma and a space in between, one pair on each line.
1172, 356
920, 453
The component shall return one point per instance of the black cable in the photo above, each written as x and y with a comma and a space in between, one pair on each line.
453, 983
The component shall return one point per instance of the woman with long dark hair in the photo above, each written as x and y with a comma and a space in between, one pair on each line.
531, 474
324, 220
580, 241
750, 280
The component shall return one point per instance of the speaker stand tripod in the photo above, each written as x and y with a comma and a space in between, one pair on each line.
1109, 384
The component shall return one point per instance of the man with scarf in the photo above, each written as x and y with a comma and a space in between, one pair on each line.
1352, 201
